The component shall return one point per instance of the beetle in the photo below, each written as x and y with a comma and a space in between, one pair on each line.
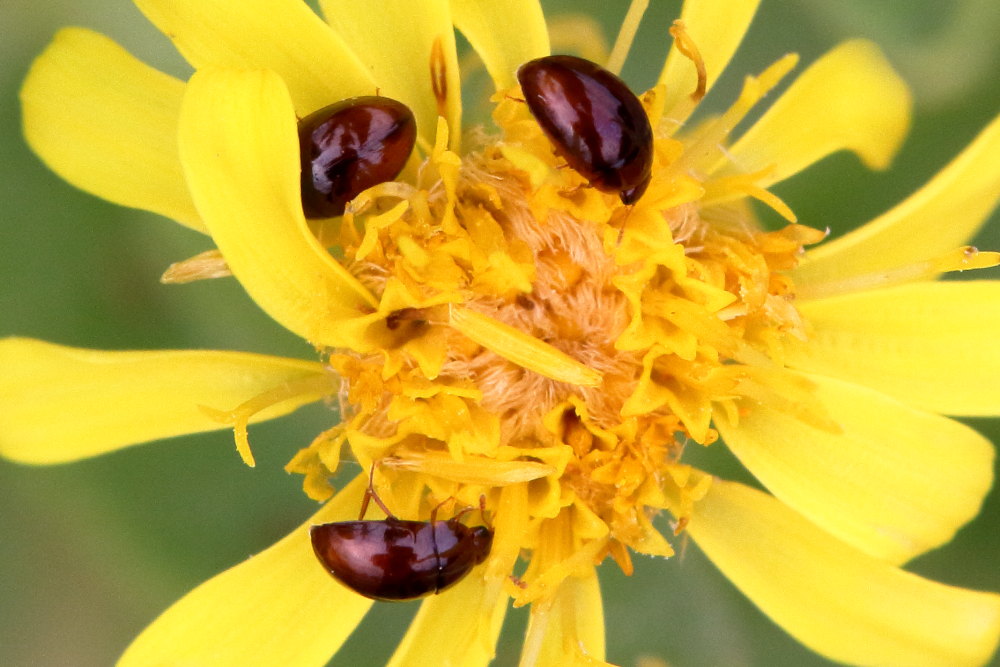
594, 121
347, 147
395, 559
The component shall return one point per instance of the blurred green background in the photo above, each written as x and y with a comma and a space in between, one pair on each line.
91, 552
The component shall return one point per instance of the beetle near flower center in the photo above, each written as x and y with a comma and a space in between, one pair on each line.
350, 146
393, 559
596, 123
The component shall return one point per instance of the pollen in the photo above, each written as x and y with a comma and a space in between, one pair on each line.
535, 330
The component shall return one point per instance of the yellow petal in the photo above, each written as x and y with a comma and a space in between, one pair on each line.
942, 215
105, 122
505, 34
567, 629
454, 628
60, 403
284, 36
280, 607
716, 27
931, 345
895, 482
239, 147
842, 604
397, 39
851, 99
581, 34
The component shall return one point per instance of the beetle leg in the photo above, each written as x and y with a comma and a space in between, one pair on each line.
441, 504
371, 495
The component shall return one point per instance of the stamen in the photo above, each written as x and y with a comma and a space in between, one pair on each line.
626, 35
684, 106
687, 47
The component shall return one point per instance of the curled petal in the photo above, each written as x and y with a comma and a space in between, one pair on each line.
60, 404
280, 607
847, 606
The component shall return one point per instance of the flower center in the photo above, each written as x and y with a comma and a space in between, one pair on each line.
534, 330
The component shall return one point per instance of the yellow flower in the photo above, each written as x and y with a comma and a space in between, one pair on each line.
492, 327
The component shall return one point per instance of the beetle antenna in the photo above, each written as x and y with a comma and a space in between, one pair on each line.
624, 220
482, 511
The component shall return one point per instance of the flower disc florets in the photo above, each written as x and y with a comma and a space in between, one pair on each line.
537, 331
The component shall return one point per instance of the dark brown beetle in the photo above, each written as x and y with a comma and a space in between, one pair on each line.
595, 122
396, 560
350, 146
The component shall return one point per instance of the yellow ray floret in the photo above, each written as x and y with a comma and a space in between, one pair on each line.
505, 34
941, 216
105, 121
931, 345
317, 66
841, 603
62, 403
937, 471
851, 98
